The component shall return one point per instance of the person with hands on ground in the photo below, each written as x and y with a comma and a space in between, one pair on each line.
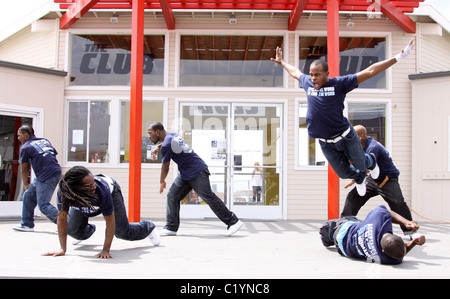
82, 195
372, 239
325, 119
194, 175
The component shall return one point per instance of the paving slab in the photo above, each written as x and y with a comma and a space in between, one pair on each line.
259, 250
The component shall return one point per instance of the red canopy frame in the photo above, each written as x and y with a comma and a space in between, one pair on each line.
395, 10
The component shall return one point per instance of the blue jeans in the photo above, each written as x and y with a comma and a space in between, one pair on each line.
202, 187
80, 229
347, 150
39, 194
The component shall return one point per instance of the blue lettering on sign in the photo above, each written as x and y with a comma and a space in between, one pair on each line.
98, 60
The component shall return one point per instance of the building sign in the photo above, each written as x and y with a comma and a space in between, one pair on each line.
106, 60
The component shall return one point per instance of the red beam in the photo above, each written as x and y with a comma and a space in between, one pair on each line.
397, 16
347, 5
75, 12
168, 14
296, 13
333, 65
136, 81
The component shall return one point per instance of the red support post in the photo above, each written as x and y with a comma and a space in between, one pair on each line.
333, 64
136, 81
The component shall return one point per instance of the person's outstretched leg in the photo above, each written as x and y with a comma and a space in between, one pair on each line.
202, 187
125, 230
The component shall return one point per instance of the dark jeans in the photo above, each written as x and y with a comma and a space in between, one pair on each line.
348, 149
202, 187
330, 229
257, 193
80, 229
390, 192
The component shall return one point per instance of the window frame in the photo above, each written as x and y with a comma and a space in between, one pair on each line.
179, 33
68, 58
387, 35
115, 123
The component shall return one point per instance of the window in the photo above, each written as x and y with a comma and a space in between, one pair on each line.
105, 60
88, 131
152, 111
372, 115
356, 54
91, 121
228, 60
309, 151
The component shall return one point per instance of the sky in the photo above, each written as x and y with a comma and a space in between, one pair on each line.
12, 10
443, 6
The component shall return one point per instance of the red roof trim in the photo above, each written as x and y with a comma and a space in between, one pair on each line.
75, 12
393, 9
394, 13
168, 14
296, 13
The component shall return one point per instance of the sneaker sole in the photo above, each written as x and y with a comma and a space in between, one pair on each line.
29, 230
235, 229
155, 238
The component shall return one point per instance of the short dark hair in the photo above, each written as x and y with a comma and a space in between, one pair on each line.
27, 129
321, 62
393, 246
157, 126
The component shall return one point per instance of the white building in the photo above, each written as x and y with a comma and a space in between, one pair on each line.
211, 79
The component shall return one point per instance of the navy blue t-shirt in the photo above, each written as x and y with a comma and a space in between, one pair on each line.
362, 239
42, 156
325, 118
384, 160
189, 163
104, 204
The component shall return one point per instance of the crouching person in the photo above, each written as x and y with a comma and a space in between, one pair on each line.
82, 195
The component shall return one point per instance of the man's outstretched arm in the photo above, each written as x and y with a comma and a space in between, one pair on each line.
292, 70
378, 67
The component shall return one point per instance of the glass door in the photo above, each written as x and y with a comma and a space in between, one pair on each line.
242, 146
204, 127
11, 186
256, 149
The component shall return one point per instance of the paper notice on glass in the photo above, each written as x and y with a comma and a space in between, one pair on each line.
77, 136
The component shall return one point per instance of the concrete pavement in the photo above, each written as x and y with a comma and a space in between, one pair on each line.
260, 250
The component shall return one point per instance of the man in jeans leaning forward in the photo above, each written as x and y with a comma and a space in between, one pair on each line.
41, 155
194, 174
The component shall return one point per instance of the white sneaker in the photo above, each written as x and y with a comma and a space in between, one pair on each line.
23, 228
76, 241
234, 228
166, 232
154, 237
361, 188
375, 173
